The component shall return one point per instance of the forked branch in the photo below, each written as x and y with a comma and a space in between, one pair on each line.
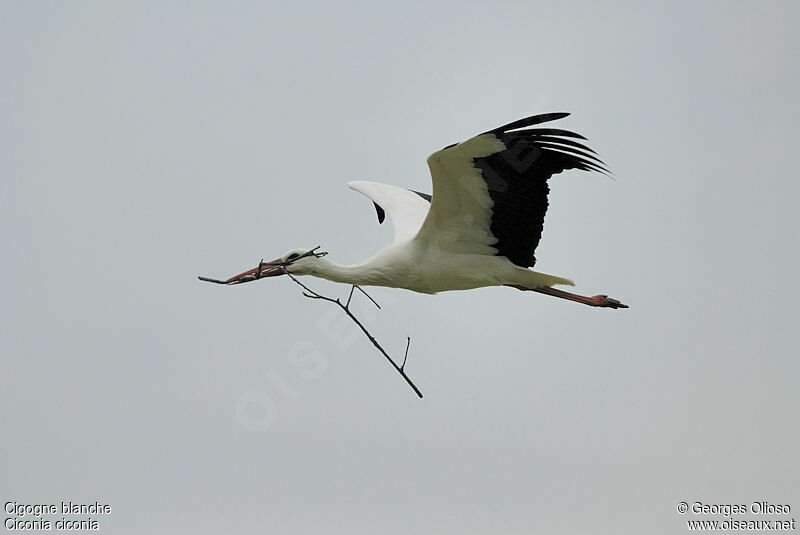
311, 294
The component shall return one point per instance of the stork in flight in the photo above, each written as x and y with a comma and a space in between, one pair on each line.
480, 227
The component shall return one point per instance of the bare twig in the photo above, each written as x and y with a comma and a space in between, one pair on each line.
405, 358
215, 281
311, 294
360, 289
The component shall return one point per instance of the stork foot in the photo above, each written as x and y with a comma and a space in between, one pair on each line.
605, 301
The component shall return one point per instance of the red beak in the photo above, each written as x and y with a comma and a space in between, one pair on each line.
265, 269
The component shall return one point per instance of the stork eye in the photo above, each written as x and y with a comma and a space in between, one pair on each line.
292, 256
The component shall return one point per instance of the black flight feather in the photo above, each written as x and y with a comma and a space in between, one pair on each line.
517, 177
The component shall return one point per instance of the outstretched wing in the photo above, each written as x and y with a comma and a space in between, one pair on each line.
407, 209
490, 191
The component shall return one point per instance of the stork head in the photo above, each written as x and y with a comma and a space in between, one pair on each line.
300, 261
296, 262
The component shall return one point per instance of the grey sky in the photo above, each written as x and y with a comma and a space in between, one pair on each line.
144, 143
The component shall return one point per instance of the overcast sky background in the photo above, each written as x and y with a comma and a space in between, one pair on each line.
145, 143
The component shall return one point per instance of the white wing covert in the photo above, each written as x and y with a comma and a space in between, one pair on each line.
407, 209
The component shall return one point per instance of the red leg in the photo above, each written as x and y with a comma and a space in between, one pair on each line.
593, 301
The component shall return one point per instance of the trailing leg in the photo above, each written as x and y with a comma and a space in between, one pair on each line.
593, 301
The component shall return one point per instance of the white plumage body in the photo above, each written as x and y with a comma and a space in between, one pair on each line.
412, 266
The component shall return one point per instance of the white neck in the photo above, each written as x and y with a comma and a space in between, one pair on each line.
365, 273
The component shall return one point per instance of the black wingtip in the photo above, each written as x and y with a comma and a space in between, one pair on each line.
425, 196
530, 121
381, 213
552, 132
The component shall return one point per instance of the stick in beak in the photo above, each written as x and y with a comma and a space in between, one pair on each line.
264, 269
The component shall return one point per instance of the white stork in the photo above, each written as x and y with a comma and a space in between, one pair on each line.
480, 227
